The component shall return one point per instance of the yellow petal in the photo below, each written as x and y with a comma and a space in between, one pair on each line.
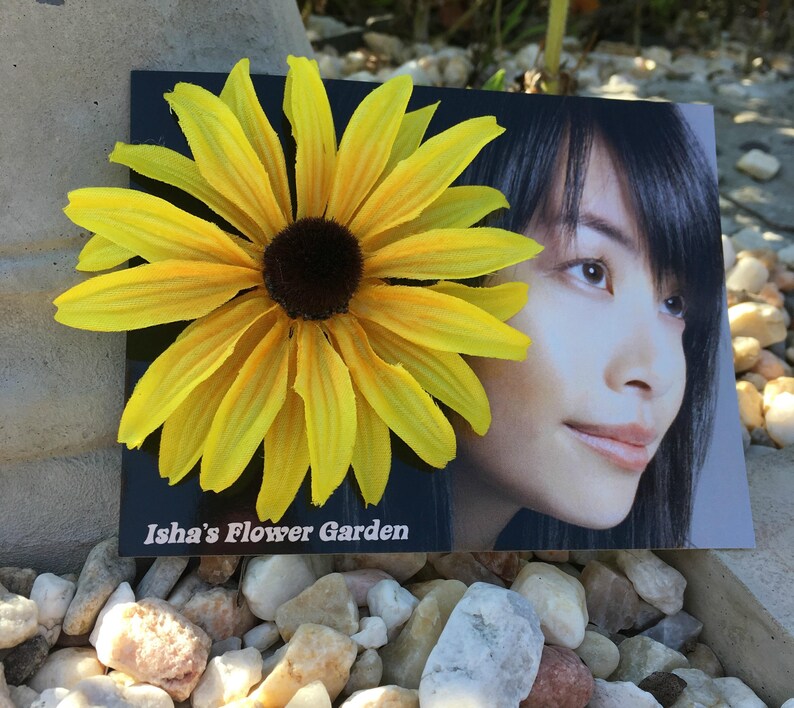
438, 321
395, 395
286, 456
151, 227
502, 301
412, 129
457, 207
197, 353
224, 156
185, 430
372, 452
247, 410
450, 253
443, 375
323, 383
366, 146
239, 94
419, 180
101, 254
315, 138
168, 166
147, 295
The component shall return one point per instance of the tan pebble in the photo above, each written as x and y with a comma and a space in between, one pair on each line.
770, 366
749, 274
762, 321
314, 695
766, 255
216, 570
750, 405
755, 379
735, 298
780, 419
771, 293
746, 352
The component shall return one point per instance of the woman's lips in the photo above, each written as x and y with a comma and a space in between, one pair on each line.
624, 445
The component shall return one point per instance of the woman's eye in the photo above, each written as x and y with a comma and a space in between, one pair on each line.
675, 305
591, 272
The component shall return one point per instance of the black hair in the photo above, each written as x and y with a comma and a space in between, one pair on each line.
672, 189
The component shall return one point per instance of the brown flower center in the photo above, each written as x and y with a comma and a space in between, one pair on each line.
313, 267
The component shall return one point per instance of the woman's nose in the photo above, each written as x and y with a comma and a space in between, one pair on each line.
649, 358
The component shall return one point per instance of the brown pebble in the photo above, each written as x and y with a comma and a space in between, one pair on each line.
771, 293
783, 278
665, 687
505, 564
563, 681
18, 581
216, 570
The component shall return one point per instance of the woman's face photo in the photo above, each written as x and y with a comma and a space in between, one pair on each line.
576, 423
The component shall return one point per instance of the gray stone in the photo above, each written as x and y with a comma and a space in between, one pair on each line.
488, 654
25, 659
700, 691
751, 238
57, 469
612, 602
262, 637
5, 695
219, 648
21, 697
649, 615
641, 656
366, 672
161, 578
188, 586
102, 573
737, 693
17, 580
359, 582
676, 631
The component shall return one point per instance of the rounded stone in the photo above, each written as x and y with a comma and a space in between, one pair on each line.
746, 352
563, 681
600, 654
18, 619
759, 320
64, 668
780, 419
748, 274
751, 405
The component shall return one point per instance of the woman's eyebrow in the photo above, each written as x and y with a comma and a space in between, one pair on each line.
607, 228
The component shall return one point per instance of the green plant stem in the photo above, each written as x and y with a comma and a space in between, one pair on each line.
558, 14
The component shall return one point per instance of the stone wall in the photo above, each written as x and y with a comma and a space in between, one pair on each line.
64, 101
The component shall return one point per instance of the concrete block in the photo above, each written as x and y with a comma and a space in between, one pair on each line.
743, 597
64, 101
53, 511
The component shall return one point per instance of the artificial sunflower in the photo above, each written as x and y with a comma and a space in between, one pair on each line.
309, 333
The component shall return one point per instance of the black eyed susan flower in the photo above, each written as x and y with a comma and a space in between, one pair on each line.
315, 330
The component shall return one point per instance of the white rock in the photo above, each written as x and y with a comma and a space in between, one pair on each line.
330, 67
50, 698
748, 274
780, 419
488, 654
314, 695
600, 654
737, 693
52, 595
366, 672
104, 691
65, 668
728, 252
392, 603
415, 70
788, 704
123, 593
372, 633
272, 580
228, 678
23, 696
656, 582
457, 71
559, 600
700, 690
18, 619
261, 637
620, 694
759, 164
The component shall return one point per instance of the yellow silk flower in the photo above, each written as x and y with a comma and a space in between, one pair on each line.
330, 344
